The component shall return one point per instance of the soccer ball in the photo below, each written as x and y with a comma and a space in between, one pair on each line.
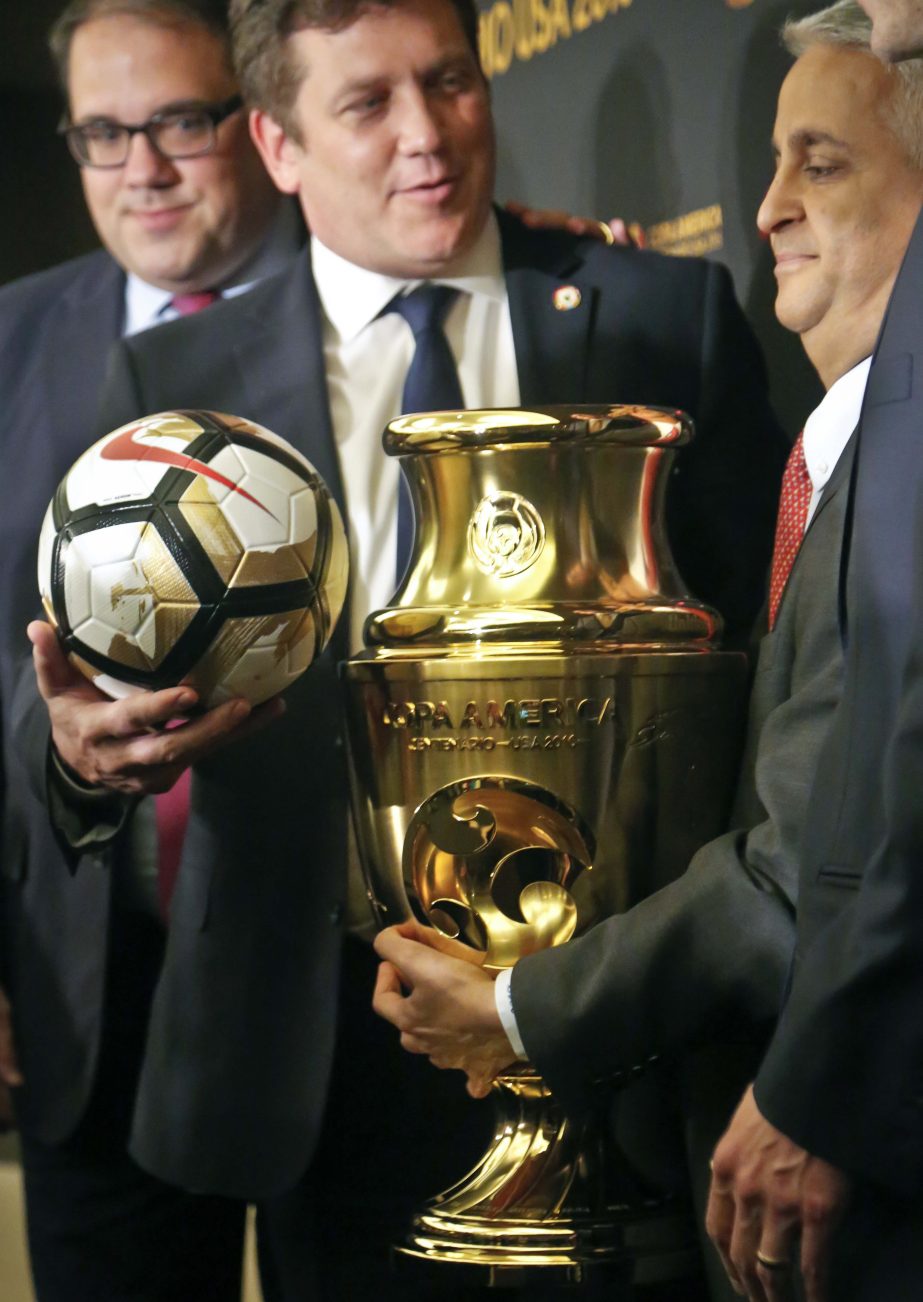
193, 547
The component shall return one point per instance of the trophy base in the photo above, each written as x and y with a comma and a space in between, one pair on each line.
648, 1255
552, 1200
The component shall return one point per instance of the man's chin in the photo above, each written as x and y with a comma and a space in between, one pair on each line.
436, 252
173, 270
795, 314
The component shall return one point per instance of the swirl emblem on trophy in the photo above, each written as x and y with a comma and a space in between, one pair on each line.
494, 861
542, 732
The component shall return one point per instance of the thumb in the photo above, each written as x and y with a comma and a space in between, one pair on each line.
393, 941
478, 1087
54, 672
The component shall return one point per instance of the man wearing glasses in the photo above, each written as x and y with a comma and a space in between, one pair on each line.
185, 211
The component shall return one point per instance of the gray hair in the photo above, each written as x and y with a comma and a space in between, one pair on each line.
846, 23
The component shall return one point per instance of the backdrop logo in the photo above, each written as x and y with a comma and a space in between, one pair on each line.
691, 234
519, 29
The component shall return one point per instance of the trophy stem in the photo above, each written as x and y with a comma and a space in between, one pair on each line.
553, 1195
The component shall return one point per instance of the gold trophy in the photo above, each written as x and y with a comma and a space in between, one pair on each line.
541, 734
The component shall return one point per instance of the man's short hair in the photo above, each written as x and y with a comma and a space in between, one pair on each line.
846, 23
269, 76
210, 14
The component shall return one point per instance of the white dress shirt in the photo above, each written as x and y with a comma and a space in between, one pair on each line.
828, 428
826, 433
366, 358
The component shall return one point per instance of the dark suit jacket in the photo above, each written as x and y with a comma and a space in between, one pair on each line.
239, 1041
844, 1075
55, 331
694, 975
705, 958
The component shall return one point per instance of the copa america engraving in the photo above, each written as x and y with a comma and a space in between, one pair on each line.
541, 734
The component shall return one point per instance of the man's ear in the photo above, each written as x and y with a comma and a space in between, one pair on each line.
280, 154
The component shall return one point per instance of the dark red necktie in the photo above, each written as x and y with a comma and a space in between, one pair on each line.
173, 806
793, 514
187, 304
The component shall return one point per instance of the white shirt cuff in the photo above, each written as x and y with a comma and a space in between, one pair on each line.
503, 997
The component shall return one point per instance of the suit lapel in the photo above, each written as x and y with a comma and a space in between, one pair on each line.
88, 321
552, 326
282, 366
837, 482
879, 557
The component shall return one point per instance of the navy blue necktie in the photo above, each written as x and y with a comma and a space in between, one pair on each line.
431, 384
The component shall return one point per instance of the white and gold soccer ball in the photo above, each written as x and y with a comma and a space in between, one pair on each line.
193, 547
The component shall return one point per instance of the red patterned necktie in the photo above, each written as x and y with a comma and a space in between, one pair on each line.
187, 304
793, 514
172, 807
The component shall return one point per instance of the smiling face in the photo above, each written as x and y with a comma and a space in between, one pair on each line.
182, 225
897, 27
394, 163
841, 208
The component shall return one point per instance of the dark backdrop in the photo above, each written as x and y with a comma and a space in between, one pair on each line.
656, 110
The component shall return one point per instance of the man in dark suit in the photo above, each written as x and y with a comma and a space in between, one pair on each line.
388, 141
708, 955
172, 225
828, 1144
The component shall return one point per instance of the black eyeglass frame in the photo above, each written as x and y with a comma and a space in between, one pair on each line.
216, 114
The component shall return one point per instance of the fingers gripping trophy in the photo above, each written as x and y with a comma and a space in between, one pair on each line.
542, 733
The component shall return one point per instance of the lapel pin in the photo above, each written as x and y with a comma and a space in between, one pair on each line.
566, 297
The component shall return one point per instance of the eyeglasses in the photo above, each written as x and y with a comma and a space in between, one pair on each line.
185, 132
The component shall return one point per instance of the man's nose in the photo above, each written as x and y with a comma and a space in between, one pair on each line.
420, 125
146, 165
781, 203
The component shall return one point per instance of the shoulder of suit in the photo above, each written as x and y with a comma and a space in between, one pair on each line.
561, 253
46, 286
613, 260
34, 304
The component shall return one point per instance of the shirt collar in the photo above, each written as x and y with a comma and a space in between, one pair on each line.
829, 427
352, 296
145, 304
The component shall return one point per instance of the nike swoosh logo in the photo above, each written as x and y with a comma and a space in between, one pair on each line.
125, 448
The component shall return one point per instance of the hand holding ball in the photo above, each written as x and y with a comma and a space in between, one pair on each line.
193, 547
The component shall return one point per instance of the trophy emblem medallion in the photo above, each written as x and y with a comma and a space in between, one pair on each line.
506, 534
